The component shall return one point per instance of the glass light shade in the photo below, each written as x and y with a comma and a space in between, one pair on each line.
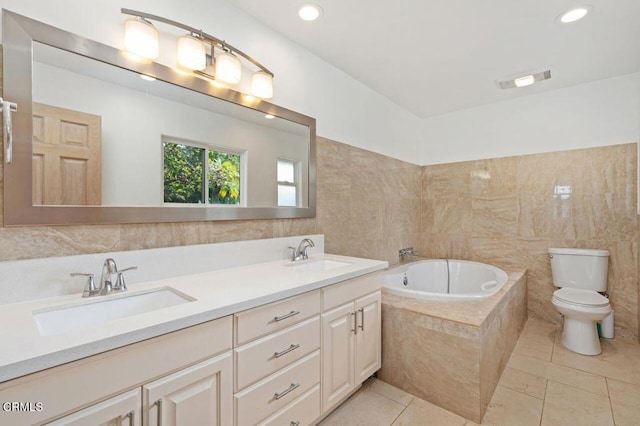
228, 68
141, 38
309, 12
574, 15
525, 81
191, 53
262, 85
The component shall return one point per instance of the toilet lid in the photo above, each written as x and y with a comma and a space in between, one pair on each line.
581, 297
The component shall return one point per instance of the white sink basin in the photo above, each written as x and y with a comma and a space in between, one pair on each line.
319, 265
63, 319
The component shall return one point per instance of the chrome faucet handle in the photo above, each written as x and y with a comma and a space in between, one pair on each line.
303, 246
90, 287
293, 253
120, 284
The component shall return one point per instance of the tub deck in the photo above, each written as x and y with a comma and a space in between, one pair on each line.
452, 353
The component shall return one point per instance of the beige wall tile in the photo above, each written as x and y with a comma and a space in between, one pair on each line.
566, 405
452, 215
495, 217
494, 177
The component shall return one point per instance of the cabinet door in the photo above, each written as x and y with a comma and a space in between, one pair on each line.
121, 410
198, 395
368, 336
338, 355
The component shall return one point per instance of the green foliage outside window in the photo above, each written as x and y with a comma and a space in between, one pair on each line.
224, 178
184, 169
183, 173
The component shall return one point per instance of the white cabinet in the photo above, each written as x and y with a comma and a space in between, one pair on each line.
277, 366
121, 410
368, 336
338, 354
201, 394
351, 338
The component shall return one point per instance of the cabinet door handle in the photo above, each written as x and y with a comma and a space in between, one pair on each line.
361, 310
284, 392
355, 323
286, 351
289, 315
158, 403
131, 415
296, 423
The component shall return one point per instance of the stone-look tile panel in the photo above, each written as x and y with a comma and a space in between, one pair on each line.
367, 205
421, 412
521, 206
34, 242
442, 358
494, 217
365, 408
499, 334
494, 177
526, 383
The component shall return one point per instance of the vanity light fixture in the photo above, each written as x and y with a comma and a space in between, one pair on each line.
191, 53
203, 54
309, 12
141, 38
524, 79
574, 15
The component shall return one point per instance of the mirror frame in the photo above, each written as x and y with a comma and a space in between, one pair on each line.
19, 33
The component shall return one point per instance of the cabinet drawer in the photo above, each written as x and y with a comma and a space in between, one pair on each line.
262, 357
273, 393
303, 411
346, 291
266, 319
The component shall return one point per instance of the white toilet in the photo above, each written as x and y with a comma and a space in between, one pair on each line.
580, 274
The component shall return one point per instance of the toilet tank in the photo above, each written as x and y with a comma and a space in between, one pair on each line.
579, 268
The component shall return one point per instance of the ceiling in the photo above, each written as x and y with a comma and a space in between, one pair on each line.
438, 56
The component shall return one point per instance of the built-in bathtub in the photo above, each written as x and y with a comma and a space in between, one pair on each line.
445, 279
451, 354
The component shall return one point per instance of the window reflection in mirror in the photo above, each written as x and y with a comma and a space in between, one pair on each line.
105, 136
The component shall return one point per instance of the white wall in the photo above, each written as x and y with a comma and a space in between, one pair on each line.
345, 109
600, 113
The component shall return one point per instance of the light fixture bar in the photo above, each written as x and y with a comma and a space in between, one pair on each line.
214, 41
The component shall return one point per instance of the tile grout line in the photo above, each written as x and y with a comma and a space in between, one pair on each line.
613, 416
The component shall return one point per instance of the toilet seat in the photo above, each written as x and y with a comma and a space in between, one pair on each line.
579, 297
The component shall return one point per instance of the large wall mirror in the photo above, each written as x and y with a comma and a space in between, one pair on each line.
101, 138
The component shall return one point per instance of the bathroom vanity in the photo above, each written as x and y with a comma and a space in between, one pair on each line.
284, 344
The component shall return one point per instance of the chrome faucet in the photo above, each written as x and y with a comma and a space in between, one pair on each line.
108, 269
300, 253
105, 285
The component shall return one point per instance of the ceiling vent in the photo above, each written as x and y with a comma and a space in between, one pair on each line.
524, 79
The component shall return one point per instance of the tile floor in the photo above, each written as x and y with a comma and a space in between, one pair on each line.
543, 384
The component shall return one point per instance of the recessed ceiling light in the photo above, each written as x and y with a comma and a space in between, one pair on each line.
309, 12
269, 116
147, 77
574, 15
525, 81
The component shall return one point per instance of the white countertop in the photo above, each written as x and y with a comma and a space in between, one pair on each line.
217, 293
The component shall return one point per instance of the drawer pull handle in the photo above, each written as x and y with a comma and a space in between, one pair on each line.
131, 415
361, 310
286, 351
296, 423
158, 403
284, 392
289, 315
